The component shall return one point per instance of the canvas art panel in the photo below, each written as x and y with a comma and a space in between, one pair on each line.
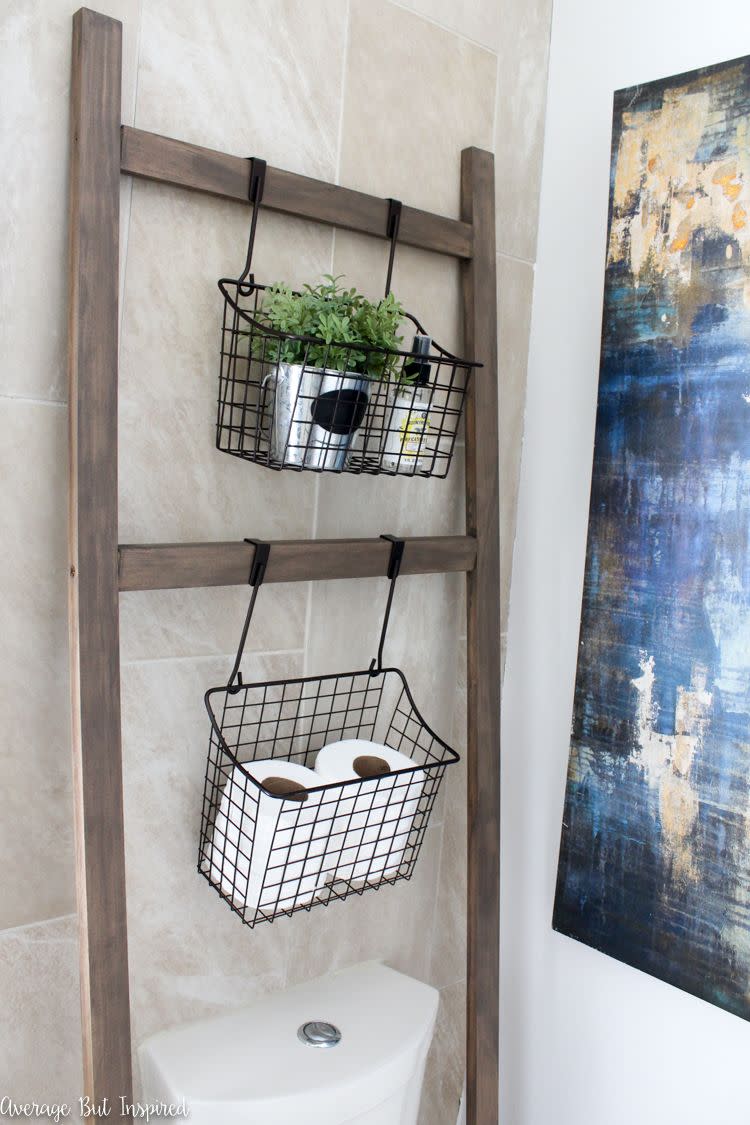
654, 864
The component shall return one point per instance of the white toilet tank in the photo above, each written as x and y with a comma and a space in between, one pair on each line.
279, 1062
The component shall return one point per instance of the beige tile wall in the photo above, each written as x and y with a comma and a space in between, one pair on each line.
377, 95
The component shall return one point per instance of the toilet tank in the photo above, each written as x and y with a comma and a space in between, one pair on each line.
255, 1066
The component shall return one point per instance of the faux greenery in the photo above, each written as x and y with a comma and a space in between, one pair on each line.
334, 316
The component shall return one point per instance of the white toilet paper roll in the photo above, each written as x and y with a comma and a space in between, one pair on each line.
267, 853
371, 821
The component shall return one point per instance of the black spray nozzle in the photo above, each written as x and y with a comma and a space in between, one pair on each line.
418, 368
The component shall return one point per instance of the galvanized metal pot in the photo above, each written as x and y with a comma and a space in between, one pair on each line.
316, 415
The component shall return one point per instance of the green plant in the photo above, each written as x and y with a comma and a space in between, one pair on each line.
343, 324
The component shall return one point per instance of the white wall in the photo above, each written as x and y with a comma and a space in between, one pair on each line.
586, 1040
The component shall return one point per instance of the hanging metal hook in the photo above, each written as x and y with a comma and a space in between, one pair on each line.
256, 184
394, 567
392, 229
255, 579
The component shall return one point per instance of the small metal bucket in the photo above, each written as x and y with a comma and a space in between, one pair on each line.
316, 415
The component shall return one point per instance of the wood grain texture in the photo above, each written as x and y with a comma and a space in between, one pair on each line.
183, 565
93, 591
100, 149
483, 643
202, 169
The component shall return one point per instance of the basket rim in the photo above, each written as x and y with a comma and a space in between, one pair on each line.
444, 356
223, 689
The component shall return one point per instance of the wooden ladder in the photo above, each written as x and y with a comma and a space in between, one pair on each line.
102, 150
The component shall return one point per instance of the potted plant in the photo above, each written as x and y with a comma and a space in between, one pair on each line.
326, 345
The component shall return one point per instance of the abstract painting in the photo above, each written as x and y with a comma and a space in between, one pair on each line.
654, 864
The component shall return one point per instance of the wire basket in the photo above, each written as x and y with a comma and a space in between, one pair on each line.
342, 838
273, 845
337, 407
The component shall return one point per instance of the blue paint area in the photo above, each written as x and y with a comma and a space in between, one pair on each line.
655, 856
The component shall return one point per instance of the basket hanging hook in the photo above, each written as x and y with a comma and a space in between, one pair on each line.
256, 185
394, 567
392, 229
255, 579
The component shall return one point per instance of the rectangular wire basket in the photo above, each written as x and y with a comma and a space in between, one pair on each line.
330, 415
266, 851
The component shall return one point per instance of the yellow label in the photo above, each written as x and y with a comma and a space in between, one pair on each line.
412, 429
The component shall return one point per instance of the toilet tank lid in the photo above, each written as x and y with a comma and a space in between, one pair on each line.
254, 1055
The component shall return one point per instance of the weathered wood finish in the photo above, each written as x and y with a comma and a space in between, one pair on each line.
483, 636
183, 565
93, 596
203, 169
100, 150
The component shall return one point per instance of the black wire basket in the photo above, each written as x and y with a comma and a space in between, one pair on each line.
293, 402
274, 840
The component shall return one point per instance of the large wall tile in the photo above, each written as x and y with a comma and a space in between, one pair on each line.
36, 832
422, 640
369, 506
251, 78
345, 618
448, 955
392, 924
155, 624
40, 1030
174, 484
474, 19
515, 288
190, 956
444, 1076
345, 623
35, 39
519, 123
415, 96
427, 285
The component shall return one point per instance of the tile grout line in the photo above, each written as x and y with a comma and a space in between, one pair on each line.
496, 106
308, 607
439, 869
438, 881
131, 184
209, 656
452, 984
444, 27
138, 60
316, 501
32, 401
344, 67
495, 121
9, 930
515, 258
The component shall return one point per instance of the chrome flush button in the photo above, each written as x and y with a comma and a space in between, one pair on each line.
318, 1033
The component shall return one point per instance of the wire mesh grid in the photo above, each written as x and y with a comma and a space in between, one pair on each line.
326, 412
270, 851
